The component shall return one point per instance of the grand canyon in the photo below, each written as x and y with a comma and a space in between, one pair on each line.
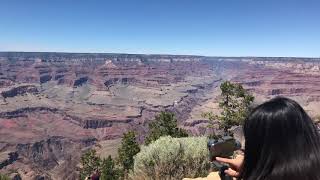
54, 106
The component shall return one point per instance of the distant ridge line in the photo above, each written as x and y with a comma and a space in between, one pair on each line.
106, 55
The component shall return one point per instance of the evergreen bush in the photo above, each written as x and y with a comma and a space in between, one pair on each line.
172, 158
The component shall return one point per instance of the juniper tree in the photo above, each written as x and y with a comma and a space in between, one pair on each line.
164, 124
90, 162
234, 103
128, 149
109, 170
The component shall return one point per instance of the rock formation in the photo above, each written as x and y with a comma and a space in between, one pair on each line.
54, 106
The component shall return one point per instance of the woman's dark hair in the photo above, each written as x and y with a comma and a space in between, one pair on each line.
281, 143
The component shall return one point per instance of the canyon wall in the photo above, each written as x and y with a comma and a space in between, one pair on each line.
52, 103
54, 106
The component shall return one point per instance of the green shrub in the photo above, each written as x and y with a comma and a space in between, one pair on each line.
172, 158
4, 177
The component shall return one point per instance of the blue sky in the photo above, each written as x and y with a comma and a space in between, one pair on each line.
202, 27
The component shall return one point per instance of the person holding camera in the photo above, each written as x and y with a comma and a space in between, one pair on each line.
281, 143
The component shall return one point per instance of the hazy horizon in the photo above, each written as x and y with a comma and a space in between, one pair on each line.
164, 54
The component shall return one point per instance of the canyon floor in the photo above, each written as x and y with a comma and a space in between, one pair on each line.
54, 106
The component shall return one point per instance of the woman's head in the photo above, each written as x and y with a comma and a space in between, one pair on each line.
281, 143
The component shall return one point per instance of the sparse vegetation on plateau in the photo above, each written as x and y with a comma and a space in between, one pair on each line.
168, 154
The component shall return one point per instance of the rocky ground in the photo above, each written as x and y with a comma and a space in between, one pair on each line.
54, 106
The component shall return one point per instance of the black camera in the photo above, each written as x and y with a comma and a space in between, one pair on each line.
223, 147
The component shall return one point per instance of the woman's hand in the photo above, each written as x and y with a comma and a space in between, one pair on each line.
235, 165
